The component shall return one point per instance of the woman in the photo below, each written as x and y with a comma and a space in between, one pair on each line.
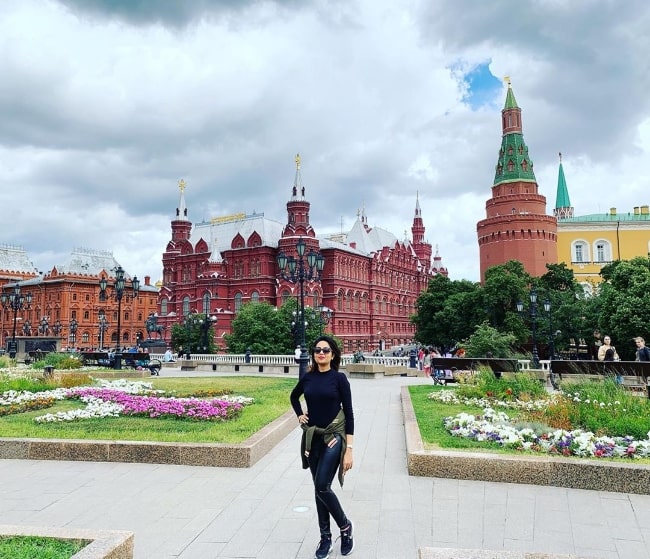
607, 352
328, 434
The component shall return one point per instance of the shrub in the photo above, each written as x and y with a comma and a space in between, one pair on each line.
522, 386
489, 341
74, 379
65, 361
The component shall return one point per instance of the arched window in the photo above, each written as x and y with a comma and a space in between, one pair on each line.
255, 297
238, 298
580, 252
285, 296
602, 251
206, 303
186, 306
163, 307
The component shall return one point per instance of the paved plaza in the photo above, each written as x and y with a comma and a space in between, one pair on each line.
267, 511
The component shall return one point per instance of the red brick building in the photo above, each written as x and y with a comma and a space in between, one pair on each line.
70, 292
370, 281
516, 226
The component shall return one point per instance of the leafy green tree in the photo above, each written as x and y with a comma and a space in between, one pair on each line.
504, 286
192, 336
488, 341
259, 327
436, 321
569, 307
314, 326
625, 303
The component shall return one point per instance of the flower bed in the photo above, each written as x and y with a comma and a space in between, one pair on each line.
122, 397
497, 427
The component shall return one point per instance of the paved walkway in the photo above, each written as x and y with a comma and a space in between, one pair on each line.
267, 511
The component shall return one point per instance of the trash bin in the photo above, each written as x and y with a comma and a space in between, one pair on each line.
48, 370
413, 359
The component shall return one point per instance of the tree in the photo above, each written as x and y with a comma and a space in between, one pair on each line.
625, 303
488, 341
438, 320
259, 327
191, 336
569, 307
504, 286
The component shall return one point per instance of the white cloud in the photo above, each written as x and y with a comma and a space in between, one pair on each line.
105, 105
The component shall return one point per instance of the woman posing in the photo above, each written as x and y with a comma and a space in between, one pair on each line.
328, 434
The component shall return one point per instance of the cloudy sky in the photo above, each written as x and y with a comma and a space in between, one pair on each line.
106, 104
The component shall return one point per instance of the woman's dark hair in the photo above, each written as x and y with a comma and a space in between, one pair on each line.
336, 353
609, 355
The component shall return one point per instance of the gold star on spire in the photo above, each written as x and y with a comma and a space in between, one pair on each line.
181, 185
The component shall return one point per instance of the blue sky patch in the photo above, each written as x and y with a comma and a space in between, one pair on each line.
482, 87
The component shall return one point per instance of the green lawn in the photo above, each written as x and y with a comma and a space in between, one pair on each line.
271, 397
430, 415
32, 547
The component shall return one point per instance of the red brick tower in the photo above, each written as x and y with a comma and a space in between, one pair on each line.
517, 226
420, 246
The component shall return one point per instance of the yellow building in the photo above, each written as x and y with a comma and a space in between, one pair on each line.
586, 243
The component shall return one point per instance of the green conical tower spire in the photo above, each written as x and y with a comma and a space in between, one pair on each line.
511, 102
563, 207
514, 164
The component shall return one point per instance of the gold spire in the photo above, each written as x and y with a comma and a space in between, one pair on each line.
507, 80
297, 162
181, 185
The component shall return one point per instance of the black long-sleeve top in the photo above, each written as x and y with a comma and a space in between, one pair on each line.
326, 393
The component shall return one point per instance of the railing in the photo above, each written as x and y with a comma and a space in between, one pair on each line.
257, 359
377, 360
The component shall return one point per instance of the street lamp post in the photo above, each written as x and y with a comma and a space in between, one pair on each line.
297, 323
118, 291
206, 324
324, 316
551, 341
73, 332
103, 325
533, 323
298, 270
44, 326
15, 301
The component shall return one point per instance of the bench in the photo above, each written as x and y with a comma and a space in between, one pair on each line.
638, 370
130, 359
454, 364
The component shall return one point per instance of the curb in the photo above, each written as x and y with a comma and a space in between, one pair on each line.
574, 473
242, 455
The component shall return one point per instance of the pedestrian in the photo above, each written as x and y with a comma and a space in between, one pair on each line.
426, 363
328, 434
296, 354
607, 352
642, 351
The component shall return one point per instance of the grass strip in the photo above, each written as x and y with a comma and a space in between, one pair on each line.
32, 547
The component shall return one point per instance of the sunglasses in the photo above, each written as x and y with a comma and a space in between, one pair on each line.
324, 350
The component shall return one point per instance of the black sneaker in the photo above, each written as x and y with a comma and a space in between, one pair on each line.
347, 541
324, 547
